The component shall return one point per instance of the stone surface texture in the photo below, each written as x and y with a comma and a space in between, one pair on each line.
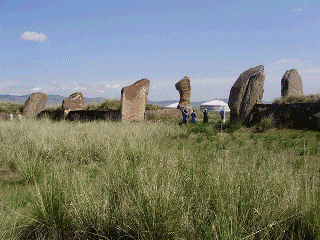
245, 93
73, 102
134, 100
184, 88
295, 115
291, 84
35, 104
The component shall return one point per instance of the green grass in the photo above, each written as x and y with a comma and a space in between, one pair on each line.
11, 107
312, 98
99, 180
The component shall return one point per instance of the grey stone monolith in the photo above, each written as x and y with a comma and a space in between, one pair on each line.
245, 93
291, 84
35, 103
72, 103
134, 100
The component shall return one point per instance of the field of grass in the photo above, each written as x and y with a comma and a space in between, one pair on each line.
105, 180
312, 98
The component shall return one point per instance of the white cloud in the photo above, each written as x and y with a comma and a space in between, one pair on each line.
300, 9
284, 61
34, 36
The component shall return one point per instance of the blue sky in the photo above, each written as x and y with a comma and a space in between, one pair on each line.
97, 47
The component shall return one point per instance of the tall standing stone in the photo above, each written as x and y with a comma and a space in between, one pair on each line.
35, 103
134, 100
72, 103
245, 93
291, 84
184, 88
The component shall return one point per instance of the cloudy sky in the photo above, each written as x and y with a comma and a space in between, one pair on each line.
97, 47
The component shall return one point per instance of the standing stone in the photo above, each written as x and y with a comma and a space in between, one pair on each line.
72, 103
291, 84
35, 103
245, 93
134, 100
184, 88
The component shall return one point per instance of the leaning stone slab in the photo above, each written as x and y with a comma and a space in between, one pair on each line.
245, 93
72, 103
35, 104
184, 88
134, 101
291, 84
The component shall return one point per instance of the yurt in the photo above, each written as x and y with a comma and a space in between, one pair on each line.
173, 105
215, 105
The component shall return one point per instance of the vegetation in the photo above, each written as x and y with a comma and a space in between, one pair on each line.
53, 108
109, 104
312, 98
153, 107
114, 104
97, 180
11, 107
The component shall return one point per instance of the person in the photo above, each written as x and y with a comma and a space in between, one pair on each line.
11, 117
194, 116
205, 116
20, 117
223, 115
185, 116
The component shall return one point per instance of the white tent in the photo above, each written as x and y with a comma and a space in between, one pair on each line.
215, 105
173, 105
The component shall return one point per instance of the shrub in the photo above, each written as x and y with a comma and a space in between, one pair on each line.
153, 107
109, 104
312, 98
11, 107
53, 108
265, 124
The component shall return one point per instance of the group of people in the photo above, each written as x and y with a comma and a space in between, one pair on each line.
11, 117
185, 116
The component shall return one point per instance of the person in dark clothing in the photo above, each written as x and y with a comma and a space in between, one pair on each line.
185, 116
205, 116
223, 115
194, 116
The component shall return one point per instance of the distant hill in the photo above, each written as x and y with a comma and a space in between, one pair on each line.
52, 99
57, 100
193, 104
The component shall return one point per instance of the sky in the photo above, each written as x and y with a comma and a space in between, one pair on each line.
98, 47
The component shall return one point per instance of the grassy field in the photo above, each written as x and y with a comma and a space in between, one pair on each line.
105, 180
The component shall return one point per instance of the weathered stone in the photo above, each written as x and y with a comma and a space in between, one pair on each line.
56, 115
184, 88
35, 103
294, 115
73, 102
291, 84
245, 93
134, 101
93, 115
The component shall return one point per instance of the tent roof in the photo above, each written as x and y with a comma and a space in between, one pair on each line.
173, 105
215, 102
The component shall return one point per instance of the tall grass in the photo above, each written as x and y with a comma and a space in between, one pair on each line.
156, 181
311, 98
11, 107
